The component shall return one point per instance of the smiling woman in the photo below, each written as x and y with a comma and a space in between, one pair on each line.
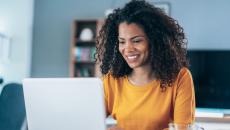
147, 84
133, 45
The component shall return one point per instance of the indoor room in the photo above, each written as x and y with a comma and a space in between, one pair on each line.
48, 52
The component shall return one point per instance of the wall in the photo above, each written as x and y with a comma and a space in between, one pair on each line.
206, 24
16, 21
52, 33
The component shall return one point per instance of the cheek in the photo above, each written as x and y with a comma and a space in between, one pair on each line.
146, 52
120, 49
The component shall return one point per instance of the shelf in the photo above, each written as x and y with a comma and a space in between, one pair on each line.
82, 51
84, 62
85, 43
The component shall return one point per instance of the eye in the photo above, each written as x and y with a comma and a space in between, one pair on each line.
137, 40
121, 42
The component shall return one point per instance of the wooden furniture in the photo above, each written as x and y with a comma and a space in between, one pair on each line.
83, 44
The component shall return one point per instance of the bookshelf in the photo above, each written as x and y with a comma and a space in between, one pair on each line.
83, 44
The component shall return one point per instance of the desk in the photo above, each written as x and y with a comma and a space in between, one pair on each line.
206, 122
209, 123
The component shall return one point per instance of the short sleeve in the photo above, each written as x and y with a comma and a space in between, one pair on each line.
108, 86
184, 109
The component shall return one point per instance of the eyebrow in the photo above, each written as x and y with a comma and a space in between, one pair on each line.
132, 37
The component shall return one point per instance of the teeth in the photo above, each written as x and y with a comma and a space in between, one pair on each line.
132, 57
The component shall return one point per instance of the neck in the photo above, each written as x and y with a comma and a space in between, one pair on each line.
141, 76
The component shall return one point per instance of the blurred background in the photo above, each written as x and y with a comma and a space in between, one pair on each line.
56, 38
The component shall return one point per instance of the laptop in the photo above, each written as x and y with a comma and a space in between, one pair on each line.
64, 103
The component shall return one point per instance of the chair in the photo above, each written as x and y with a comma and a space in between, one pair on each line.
12, 107
1, 82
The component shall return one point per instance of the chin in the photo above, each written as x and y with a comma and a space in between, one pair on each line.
137, 64
133, 66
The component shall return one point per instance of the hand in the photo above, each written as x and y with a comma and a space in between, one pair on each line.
115, 128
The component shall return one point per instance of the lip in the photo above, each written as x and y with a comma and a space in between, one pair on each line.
132, 58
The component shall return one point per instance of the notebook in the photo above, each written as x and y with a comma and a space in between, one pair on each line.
64, 103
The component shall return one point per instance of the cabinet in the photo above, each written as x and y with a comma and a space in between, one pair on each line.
83, 48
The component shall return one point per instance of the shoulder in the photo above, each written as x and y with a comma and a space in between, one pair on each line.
184, 78
108, 78
112, 86
184, 73
109, 81
184, 70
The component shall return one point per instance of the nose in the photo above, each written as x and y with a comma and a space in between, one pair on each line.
129, 46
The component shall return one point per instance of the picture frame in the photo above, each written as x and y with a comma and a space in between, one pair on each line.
165, 6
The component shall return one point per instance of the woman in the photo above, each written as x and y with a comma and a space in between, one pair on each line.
147, 84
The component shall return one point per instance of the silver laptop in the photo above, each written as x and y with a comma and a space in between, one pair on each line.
64, 103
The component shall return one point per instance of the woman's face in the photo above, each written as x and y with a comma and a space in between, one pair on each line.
133, 45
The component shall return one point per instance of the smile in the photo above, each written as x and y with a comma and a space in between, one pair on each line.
132, 58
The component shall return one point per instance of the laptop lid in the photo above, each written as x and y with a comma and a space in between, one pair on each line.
64, 103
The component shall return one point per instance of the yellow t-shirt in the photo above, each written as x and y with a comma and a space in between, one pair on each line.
147, 107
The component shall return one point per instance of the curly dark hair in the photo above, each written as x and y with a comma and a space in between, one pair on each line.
166, 38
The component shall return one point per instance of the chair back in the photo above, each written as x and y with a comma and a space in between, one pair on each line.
12, 107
